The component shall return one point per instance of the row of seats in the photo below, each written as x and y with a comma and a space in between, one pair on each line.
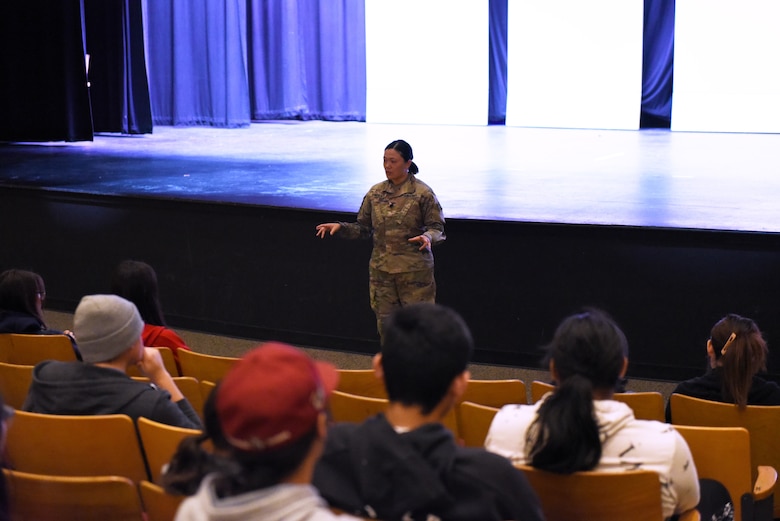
37, 497
66, 456
22, 349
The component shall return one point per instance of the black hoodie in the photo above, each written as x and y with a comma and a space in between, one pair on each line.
84, 389
371, 470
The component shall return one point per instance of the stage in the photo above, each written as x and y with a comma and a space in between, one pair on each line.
667, 230
648, 178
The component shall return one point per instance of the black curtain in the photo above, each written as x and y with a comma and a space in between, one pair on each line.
43, 81
117, 69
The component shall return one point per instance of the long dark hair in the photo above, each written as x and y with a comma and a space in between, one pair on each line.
405, 150
588, 352
237, 471
741, 351
136, 281
19, 291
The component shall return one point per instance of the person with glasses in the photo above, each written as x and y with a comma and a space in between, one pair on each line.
22, 294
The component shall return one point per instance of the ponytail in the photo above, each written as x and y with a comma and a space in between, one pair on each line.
564, 437
741, 352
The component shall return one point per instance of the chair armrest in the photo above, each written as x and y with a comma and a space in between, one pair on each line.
690, 515
765, 482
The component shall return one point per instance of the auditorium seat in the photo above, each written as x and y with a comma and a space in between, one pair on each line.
723, 454
41, 497
762, 422
30, 349
105, 445
14, 383
203, 366
602, 496
158, 504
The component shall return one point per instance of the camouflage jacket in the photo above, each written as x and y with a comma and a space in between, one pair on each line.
393, 215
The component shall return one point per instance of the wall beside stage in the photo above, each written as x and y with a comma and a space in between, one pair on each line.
259, 272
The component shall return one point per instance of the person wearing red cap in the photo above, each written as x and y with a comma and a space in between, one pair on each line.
405, 464
267, 422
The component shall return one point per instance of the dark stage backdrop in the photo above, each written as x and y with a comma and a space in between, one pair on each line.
259, 272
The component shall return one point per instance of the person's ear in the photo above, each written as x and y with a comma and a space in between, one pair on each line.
710, 349
624, 370
460, 383
376, 363
322, 425
553, 371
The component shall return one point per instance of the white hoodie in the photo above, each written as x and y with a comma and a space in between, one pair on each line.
282, 502
626, 443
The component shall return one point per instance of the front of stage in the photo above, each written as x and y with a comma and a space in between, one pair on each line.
667, 231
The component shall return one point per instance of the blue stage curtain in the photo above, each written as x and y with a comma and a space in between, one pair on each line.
117, 71
658, 63
197, 62
307, 59
498, 68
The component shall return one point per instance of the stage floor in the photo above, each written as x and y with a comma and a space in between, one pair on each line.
647, 178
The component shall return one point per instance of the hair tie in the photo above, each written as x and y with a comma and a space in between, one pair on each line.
728, 343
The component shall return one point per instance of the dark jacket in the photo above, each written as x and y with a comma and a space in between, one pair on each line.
85, 389
16, 322
370, 470
709, 386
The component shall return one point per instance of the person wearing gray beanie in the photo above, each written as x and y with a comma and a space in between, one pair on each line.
108, 332
106, 326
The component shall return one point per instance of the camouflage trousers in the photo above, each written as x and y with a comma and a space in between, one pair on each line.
390, 291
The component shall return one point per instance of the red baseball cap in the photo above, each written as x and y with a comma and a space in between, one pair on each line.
273, 396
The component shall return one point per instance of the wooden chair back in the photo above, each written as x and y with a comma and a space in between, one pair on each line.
646, 405
30, 349
36, 497
362, 382
495, 393
762, 422
168, 361
15, 381
5, 346
158, 504
105, 445
346, 407
474, 423
203, 366
189, 387
597, 496
723, 454
159, 442
206, 389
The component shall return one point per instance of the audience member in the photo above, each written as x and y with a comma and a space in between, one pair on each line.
405, 464
22, 294
108, 328
137, 282
736, 353
267, 422
579, 427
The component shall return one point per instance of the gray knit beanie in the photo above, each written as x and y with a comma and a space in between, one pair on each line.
105, 326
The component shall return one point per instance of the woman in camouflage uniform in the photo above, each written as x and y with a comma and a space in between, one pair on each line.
405, 219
